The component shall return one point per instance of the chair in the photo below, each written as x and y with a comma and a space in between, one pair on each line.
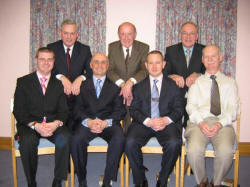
210, 153
98, 145
45, 147
152, 147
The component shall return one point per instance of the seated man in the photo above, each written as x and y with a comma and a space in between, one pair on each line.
211, 115
99, 110
156, 109
40, 108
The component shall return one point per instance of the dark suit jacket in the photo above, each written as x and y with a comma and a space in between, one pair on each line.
136, 66
109, 105
176, 61
171, 102
80, 60
31, 105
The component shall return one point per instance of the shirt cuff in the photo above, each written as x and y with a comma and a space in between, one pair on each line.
169, 119
109, 122
132, 79
146, 121
83, 77
84, 122
119, 82
58, 76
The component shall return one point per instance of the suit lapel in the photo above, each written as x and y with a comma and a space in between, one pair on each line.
147, 91
36, 84
62, 55
120, 56
75, 53
193, 57
182, 57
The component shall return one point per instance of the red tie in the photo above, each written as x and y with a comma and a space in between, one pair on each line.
68, 61
42, 81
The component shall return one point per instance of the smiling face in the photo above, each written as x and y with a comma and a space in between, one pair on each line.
211, 59
69, 34
99, 65
189, 35
155, 64
45, 62
127, 34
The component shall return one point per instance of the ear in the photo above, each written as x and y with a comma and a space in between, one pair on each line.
164, 63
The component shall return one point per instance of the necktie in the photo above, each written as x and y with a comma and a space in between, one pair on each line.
188, 56
68, 60
42, 82
98, 87
127, 59
215, 97
155, 113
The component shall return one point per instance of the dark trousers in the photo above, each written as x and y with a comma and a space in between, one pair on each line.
28, 146
170, 140
80, 140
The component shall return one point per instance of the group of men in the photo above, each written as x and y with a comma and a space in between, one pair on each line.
74, 97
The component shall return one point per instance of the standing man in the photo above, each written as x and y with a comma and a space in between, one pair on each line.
41, 110
156, 109
127, 57
184, 63
99, 110
72, 60
210, 118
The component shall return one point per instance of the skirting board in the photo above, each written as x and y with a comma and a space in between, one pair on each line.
5, 143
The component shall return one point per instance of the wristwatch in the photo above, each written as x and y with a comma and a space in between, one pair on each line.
32, 125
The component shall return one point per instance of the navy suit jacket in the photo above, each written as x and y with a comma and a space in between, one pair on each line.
171, 102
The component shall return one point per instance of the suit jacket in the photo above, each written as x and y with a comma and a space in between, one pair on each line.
171, 101
176, 61
109, 105
31, 105
80, 60
136, 66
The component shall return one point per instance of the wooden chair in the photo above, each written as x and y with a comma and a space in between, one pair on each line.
98, 145
210, 153
152, 147
45, 147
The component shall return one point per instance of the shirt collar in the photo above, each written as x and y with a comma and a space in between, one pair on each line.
218, 74
159, 78
71, 49
125, 48
39, 75
102, 78
185, 49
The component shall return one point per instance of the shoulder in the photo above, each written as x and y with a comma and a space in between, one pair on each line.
55, 44
169, 82
140, 44
173, 47
27, 77
227, 80
114, 44
81, 45
199, 46
141, 85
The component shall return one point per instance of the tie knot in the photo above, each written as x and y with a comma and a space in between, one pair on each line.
127, 50
213, 77
43, 79
98, 81
188, 51
155, 81
68, 50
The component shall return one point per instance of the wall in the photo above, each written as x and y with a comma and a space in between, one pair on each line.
14, 55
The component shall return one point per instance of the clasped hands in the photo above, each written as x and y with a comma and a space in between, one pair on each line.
210, 131
97, 125
126, 92
158, 124
47, 129
71, 88
179, 80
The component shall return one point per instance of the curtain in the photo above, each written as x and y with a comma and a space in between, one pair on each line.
47, 16
216, 19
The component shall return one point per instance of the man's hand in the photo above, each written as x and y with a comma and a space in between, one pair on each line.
43, 130
66, 85
158, 123
210, 131
97, 125
179, 80
76, 85
126, 92
215, 129
191, 79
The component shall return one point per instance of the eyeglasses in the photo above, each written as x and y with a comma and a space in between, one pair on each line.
42, 60
192, 34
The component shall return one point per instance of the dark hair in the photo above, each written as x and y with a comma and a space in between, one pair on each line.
45, 50
155, 52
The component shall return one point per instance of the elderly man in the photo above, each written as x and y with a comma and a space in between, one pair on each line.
211, 114
127, 57
184, 64
156, 109
99, 110
41, 110
72, 60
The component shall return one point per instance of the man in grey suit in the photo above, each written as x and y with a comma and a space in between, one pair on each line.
126, 62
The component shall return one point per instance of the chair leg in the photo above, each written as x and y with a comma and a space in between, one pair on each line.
14, 167
66, 183
122, 170
72, 172
236, 168
182, 165
127, 171
177, 172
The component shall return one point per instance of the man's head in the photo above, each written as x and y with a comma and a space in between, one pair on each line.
99, 64
211, 58
155, 63
45, 58
189, 34
127, 34
68, 32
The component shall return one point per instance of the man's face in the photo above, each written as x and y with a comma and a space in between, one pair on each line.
69, 35
211, 59
127, 35
189, 35
45, 63
155, 64
99, 65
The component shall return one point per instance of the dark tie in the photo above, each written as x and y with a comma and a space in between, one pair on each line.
215, 97
155, 113
68, 61
188, 56
127, 59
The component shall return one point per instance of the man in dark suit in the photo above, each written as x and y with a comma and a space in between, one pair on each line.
156, 109
41, 110
184, 63
98, 110
72, 60
127, 57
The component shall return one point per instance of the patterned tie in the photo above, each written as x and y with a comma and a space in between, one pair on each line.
188, 56
215, 97
68, 61
127, 59
155, 113
43, 85
98, 87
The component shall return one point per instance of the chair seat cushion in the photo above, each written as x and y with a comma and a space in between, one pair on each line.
153, 142
98, 142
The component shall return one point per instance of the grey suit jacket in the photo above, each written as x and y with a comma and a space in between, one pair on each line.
136, 66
